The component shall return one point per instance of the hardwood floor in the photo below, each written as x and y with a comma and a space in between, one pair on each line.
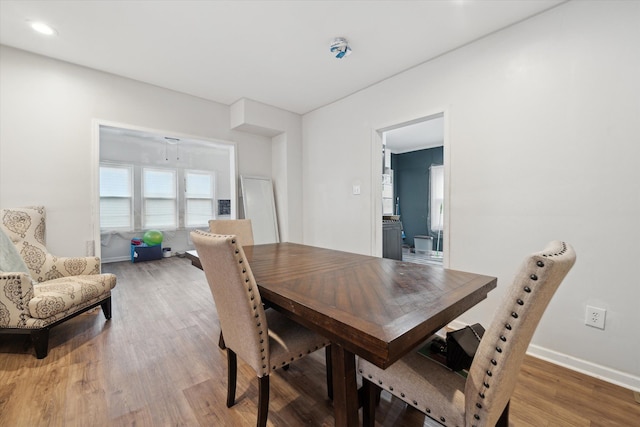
157, 363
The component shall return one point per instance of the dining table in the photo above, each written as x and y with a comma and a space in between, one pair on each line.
376, 308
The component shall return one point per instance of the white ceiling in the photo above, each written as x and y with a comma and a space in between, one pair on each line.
275, 52
423, 134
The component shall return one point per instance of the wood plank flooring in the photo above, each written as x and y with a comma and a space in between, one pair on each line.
156, 363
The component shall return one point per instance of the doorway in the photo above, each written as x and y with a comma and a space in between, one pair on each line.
414, 188
153, 180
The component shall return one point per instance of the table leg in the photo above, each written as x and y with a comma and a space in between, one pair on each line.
345, 388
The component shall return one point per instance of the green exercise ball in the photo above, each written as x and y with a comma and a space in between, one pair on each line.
152, 237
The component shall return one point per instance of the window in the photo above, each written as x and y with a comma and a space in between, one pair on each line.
116, 197
199, 197
436, 197
159, 199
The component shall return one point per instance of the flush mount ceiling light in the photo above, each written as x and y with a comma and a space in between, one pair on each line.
340, 47
42, 28
171, 141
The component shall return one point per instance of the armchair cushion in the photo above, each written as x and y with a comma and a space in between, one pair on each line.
59, 295
10, 259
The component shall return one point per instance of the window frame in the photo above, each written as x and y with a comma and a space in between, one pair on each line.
144, 223
211, 198
436, 210
131, 197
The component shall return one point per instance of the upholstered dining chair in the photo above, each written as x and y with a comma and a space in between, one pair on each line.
243, 231
482, 398
241, 228
39, 290
265, 339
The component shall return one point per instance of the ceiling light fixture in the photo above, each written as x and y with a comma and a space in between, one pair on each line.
171, 141
340, 47
43, 28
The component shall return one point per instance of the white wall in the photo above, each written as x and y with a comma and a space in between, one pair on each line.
285, 128
544, 122
46, 110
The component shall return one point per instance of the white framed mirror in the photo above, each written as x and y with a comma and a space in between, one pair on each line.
260, 207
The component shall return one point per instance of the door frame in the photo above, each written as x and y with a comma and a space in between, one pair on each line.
94, 247
376, 179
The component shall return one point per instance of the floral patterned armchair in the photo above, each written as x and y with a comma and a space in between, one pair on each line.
39, 290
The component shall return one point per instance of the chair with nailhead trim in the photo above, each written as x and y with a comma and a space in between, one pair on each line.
265, 339
482, 399
39, 290
242, 229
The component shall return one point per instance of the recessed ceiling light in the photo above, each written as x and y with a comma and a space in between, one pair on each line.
43, 28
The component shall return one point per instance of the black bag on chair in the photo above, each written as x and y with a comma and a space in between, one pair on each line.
462, 345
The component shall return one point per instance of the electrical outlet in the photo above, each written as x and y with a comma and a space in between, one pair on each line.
595, 317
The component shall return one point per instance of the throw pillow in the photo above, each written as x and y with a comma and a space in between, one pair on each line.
10, 259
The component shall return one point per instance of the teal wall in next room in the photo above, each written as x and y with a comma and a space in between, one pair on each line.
411, 185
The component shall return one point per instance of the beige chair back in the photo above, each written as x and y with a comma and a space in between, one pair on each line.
237, 298
495, 368
241, 228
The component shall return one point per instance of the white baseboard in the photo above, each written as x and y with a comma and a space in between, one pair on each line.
603, 373
591, 369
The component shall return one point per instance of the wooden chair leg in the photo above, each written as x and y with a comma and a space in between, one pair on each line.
503, 421
370, 393
40, 340
221, 342
106, 308
232, 374
263, 400
329, 366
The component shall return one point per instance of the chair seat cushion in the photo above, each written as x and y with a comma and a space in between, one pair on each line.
429, 386
59, 295
289, 341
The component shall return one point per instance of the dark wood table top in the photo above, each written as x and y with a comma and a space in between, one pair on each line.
374, 307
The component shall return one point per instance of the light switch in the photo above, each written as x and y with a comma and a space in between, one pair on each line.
356, 189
